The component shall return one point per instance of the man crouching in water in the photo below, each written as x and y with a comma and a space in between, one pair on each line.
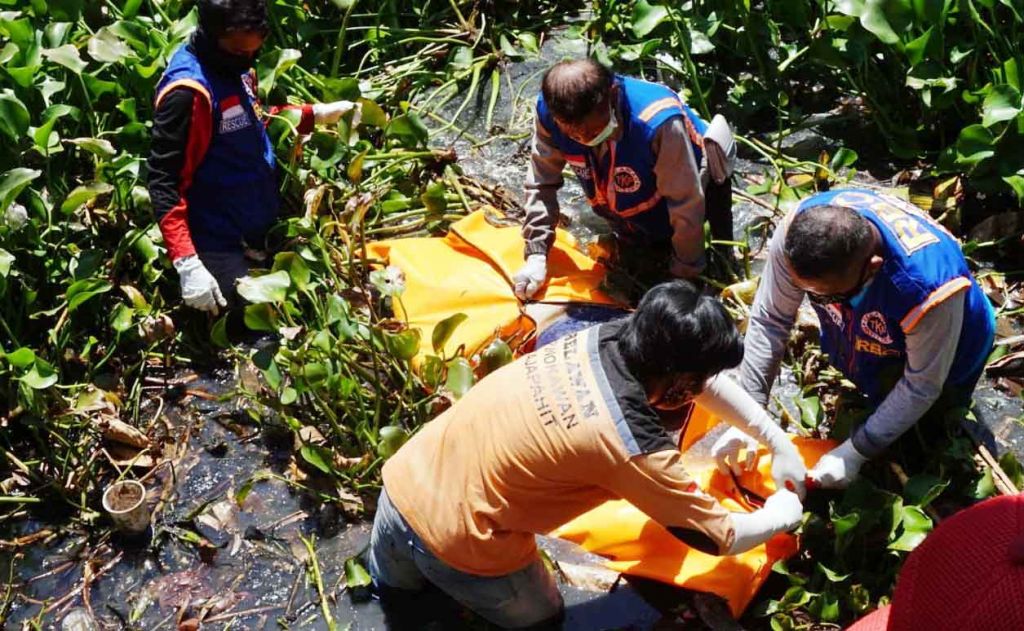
559, 432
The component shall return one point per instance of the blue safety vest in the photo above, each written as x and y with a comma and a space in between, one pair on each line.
866, 339
621, 186
233, 195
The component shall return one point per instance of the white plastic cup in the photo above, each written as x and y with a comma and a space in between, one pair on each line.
125, 502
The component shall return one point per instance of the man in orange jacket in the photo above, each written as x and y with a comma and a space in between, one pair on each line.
555, 434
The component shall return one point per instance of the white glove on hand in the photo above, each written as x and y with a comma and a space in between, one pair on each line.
781, 512
329, 113
199, 289
726, 451
838, 468
531, 276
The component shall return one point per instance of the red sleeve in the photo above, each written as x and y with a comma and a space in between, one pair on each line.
305, 123
174, 225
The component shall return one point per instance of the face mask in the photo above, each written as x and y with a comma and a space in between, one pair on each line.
607, 132
231, 63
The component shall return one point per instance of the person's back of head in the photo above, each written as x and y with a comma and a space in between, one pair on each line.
574, 89
676, 330
218, 17
822, 241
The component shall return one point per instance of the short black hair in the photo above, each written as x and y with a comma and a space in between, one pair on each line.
217, 17
823, 240
676, 330
573, 89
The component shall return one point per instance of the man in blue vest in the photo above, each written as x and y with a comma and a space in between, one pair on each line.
901, 317
636, 149
212, 177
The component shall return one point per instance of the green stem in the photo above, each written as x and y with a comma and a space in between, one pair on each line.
340, 45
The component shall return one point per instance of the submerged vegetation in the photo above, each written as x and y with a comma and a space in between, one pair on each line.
92, 330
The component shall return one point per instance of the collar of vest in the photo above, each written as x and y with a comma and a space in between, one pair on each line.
637, 423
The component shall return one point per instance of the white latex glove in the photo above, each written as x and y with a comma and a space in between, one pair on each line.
838, 468
782, 511
751, 425
199, 289
726, 451
328, 113
531, 276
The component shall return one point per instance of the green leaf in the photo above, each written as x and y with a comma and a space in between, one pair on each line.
83, 290
496, 355
916, 48
67, 56
273, 65
433, 197
391, 439
922, 489
21, 358
6, 261
1002, 103
810, 411
529, 42
12, 182
874, 19
356, 576
1016, 182
297, 269
403, 345
95, 146
1012, 468
844, 158
832, 576
41, 376
408, 130
106, 47
975, 143
85, 193
444, 329
432, 371
65, 10
460, 377
261, 317
372, 114
272, 288
219, 333
647, 17
345, 89
121, 320
915, 525
319, 457
986, 486
14, 117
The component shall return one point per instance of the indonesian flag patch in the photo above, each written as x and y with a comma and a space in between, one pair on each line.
232, 115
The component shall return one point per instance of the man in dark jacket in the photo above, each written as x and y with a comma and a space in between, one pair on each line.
212, 169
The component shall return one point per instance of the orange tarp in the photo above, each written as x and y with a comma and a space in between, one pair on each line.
470, 271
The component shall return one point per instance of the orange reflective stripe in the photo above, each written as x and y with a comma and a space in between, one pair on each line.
643, 206
661, 104
695, 136
936, 297
185, 83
